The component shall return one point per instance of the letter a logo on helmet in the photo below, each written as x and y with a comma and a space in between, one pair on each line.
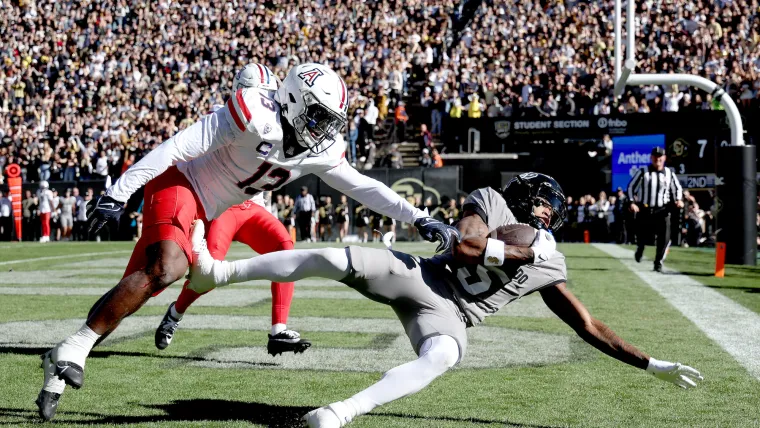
310, 76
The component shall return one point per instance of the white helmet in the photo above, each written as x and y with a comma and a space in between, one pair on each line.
255, 75
314, 101
44, 185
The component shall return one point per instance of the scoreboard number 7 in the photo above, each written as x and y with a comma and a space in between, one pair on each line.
702, 145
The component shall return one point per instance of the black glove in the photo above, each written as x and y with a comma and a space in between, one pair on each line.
102, 210
433, 230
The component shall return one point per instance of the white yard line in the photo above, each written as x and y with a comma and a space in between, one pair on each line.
733, 327
68, 256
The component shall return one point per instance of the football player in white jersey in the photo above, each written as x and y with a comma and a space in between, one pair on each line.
252, 224
257, 142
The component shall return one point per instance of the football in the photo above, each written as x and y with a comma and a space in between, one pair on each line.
518, 235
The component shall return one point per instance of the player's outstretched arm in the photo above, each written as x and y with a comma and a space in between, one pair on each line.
570, 310
472, 246
206, 135
381, 199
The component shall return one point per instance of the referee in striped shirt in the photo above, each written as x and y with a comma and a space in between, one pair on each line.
652, 191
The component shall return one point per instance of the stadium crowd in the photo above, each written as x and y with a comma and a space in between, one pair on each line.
87, 87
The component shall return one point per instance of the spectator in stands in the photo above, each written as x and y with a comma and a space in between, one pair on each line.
437, 108
6, 219
70, 72
425, 160
437, 159
370, 117
401, 119
426, 138
475, 107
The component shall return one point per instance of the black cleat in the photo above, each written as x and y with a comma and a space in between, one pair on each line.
639, 254
167, 328
47, 404
70, 373
658, 268
287, 341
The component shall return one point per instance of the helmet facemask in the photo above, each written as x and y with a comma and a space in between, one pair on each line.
317, 126
549, 197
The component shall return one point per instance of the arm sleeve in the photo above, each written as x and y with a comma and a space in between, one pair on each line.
206, 135
633, 185
676, 187
370, 192
490, 206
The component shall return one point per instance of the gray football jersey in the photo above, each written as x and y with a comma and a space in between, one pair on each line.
482, 290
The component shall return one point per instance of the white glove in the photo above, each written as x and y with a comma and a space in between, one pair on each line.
544, 246
676, 373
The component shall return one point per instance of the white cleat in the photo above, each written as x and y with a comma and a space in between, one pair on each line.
325, 417
205, 272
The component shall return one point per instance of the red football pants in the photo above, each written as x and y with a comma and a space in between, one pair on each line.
45, 222
170, 208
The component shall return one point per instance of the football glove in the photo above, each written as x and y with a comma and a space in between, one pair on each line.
676, 373
433, 230
543, 247
102, 210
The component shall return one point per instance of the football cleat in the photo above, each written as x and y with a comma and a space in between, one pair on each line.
71, 373
658, 268
52, 387
47, 404
287, 341
639, 254
167, 328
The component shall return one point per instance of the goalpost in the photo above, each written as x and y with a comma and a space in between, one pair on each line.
736, 168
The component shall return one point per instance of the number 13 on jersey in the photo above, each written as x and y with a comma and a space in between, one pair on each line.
279, 176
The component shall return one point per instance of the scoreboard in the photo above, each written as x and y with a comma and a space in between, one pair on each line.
693, 155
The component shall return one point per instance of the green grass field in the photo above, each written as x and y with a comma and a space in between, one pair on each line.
524, 367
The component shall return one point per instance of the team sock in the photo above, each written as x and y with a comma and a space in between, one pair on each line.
174, 313
282, 296
277, 328
185, 299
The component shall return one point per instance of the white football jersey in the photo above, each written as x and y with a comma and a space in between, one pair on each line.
255, 160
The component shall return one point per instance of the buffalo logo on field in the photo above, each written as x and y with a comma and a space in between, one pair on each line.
502, 128
310, 76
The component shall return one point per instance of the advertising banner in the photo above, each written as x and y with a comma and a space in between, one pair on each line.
630, 154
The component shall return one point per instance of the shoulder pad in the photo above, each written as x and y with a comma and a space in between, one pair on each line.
252, 110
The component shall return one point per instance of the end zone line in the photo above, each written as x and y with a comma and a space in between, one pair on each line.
67, 256
733, 327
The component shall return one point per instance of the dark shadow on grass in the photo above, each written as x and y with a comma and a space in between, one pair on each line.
728, 287
20, 350
221, 411
472, 420
181, 410
697, 273
588, 269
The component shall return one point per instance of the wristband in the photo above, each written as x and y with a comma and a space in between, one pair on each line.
494, 253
